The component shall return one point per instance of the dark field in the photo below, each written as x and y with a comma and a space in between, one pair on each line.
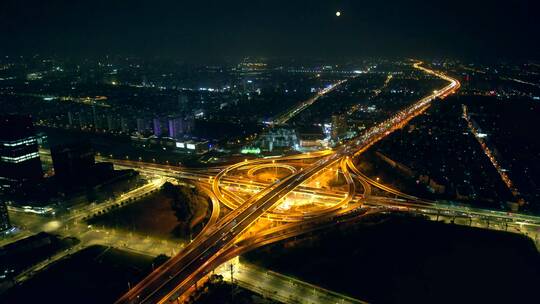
95, 275
398, 259
151, 215
18, 256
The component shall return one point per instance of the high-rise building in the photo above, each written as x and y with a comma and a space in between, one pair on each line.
278, 138
189, 124
145, 126
4, 218
110, 123
124, 126
72, 161
141, 125
339, 126
175, 127
157, 127
70, 119
19, 155
182, 102
179, 126
94, 118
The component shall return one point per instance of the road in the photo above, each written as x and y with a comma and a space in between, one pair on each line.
283, 118
175, 277
70, 224
279, 287
226, 238
489, 154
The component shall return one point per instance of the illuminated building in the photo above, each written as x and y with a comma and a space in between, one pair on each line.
157, 127
143, 126
179, 126
339, 126
193, 146
19, 156
279, 139
175, 127
183, 102
311, 138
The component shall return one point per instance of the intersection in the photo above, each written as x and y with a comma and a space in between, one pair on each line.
217, 243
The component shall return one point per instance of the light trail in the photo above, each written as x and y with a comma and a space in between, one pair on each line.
181, 272
283, 118
487, 151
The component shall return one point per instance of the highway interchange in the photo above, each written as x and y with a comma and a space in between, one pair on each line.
227, 237
233, 234
248, 212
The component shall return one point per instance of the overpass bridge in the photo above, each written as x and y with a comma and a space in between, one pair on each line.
221, 241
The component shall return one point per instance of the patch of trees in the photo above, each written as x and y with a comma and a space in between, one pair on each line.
184, 202
215, 290
159, 260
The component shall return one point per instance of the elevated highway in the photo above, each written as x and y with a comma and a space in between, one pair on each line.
173, 278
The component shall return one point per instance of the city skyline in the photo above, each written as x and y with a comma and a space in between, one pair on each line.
293, 152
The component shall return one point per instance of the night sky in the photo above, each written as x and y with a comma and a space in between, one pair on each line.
204, 29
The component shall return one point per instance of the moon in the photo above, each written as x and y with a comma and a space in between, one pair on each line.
338, 13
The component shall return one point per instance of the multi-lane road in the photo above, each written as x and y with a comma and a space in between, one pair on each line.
226, 237
184, 270
283, 118
279, 287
